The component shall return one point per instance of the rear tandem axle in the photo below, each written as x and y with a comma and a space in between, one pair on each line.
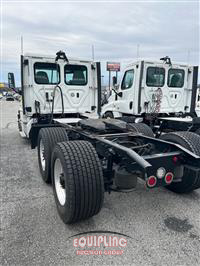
100, 155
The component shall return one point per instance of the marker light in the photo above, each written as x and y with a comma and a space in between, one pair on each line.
169, 178
151, 182
161, 172
175, 159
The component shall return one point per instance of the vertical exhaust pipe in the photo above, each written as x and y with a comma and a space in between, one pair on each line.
99, 89
194, 89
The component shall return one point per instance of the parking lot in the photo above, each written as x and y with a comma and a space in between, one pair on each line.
163, 228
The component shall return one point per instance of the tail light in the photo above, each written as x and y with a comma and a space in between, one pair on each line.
151, 182
169, 178
175, 159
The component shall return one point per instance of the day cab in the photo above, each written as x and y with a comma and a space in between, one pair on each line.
72, 81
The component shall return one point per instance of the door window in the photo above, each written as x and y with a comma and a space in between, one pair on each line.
75, 75
46, 73
128, 79
175, 78
155, 77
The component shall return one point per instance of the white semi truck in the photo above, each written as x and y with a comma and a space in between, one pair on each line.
73, 84
160, 93
84, 155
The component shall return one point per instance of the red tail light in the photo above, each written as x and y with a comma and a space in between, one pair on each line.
151, 182
169, 178
175, 159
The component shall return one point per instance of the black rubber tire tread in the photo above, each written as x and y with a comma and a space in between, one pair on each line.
50, 137
128, 119
142, 128
198, 131
190, 141
108, 114
84, 180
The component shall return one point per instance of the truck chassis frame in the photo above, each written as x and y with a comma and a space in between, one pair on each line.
120, 151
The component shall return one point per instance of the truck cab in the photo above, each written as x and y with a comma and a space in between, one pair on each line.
58, 88
153, 87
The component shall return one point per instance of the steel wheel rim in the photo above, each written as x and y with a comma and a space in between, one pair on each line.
59, 182
42, 159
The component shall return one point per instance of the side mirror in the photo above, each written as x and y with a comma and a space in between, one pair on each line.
114, 79
116, 87
11, 81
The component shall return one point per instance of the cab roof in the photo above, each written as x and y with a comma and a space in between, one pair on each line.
52, 57
156, 61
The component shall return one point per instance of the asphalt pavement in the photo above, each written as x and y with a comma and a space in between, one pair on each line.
162, 228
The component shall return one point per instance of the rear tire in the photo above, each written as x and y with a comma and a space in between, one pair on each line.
47, 138
198, 131
82, 179
128, 119
141, 128
190, 141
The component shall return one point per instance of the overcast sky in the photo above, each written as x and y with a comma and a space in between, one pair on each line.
115, 29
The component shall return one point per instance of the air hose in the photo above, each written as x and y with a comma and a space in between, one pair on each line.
59, 55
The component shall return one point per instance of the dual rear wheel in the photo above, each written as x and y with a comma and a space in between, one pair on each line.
76, 174
47, 139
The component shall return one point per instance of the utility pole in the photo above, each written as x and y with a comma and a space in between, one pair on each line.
92, 52
188, 57
138, 51
22, 45
109, 79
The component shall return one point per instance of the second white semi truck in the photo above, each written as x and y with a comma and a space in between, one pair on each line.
160, 93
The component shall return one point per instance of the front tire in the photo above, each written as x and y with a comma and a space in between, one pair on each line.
108, 114
77, 180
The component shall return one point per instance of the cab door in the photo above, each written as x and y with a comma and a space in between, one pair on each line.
78, 87
179, 88
126, 88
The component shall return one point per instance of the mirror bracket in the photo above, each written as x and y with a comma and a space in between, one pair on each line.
117, 93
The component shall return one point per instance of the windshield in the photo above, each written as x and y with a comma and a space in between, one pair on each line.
128, 80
